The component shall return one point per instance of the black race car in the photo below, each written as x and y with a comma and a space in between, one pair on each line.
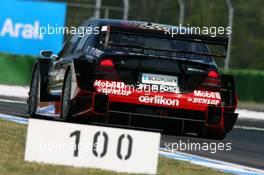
135, 74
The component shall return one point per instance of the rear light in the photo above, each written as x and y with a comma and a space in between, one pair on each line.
107, 63
213, 74
106, 70
212, 82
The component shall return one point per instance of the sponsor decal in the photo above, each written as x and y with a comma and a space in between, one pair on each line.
206, 94
95, 52
204, 101
156, 88
114, 91
112, 87
159, 79
205, 97
109, 84
157, 99
17, 30
22, 29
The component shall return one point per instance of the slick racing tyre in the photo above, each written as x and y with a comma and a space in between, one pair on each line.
66, 98
34, 92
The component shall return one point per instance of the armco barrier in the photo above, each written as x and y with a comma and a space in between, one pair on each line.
249, 84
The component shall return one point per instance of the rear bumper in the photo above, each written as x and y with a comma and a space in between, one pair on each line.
100, 107
130, 109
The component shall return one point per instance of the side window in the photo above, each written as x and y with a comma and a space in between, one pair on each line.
81, 43
88, 44
92, 39
70, 45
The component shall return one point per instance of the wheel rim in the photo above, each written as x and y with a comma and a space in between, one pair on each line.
66, 97
34, 92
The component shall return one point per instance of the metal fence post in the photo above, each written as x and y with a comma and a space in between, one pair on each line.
98, 5
126, 9
230, 24
182, 9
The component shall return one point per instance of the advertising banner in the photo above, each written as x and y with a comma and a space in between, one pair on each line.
27, 27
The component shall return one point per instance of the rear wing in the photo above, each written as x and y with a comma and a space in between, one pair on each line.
205, 39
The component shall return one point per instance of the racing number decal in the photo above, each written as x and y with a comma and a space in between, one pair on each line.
121, 138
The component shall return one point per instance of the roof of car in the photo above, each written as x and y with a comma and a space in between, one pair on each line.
130, 24
168, 29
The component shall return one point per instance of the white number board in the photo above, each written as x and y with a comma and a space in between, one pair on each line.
120, 150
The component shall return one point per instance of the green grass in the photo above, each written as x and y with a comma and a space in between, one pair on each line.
249, 84
251, 105
245, 72
13, 135
15, 70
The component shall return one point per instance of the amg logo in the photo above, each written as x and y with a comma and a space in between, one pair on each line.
157, 99
206, 94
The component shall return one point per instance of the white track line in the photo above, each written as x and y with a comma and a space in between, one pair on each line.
14, 118
248, 128
14, 91
212, 163
13, 101
250, 115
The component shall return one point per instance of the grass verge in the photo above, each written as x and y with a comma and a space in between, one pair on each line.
251, 105
15, 70
13, 135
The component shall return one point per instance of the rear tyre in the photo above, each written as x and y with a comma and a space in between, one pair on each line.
66, 98
34, 92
